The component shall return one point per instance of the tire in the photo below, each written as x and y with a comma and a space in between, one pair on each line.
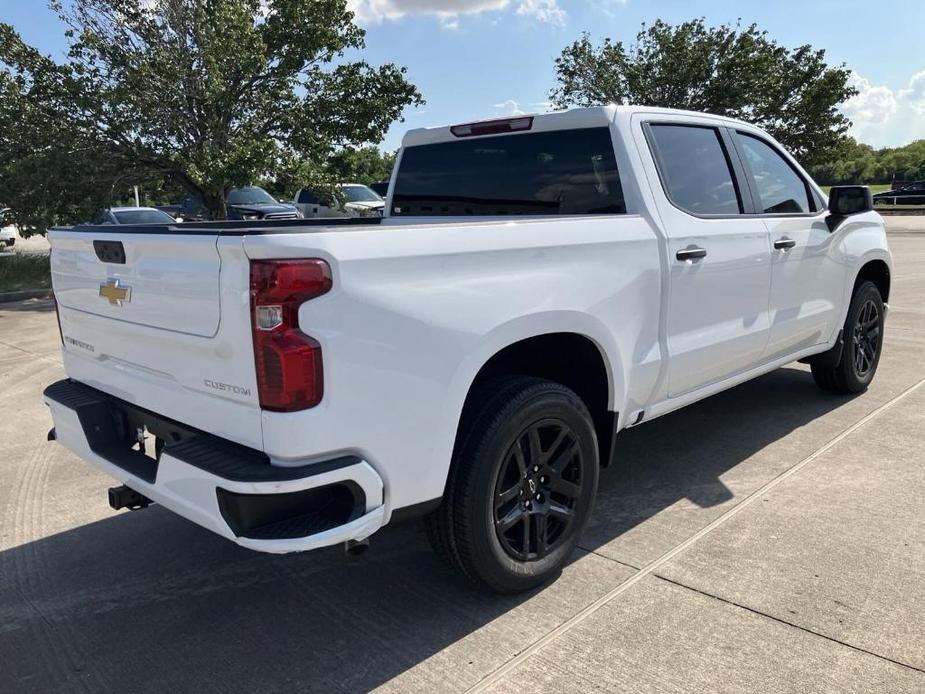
863, 343
529, 445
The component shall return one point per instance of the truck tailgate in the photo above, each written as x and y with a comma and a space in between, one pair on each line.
161, 320
164, 281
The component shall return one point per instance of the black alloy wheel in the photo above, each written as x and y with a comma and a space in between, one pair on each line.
521, 484
865, 342
538, 486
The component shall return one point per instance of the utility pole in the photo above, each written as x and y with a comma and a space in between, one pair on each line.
137, 200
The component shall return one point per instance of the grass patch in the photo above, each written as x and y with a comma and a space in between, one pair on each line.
874, 187
20, 271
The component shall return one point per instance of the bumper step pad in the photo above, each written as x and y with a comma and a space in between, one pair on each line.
231, 489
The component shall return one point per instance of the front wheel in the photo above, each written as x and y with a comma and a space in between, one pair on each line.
863, 343
521, 485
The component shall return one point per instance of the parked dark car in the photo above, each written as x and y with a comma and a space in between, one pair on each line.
897, 185
250, 203
909, 194
381, 187
172, 210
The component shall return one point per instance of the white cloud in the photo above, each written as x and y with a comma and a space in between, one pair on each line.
608, 7
914, 94
515, 108
510, 108
375, 11
883, 117
547, 11
448, 11
872, 104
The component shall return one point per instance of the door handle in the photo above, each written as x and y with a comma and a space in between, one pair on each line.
691, 253
784, 244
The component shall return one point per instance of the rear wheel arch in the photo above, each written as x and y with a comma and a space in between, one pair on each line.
571, 359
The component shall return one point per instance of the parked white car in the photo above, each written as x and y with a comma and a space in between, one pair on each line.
538, 284
361, 201
8, 234
136, 215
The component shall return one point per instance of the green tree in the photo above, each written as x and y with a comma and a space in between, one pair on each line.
364, 165
348, 165
860, 163
47, 173
727, 70
210, 94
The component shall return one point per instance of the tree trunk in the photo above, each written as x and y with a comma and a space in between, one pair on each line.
215, 204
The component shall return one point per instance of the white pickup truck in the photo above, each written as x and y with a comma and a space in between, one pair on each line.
537, 284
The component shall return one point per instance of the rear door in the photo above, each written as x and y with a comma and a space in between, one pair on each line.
717, 322
807, 282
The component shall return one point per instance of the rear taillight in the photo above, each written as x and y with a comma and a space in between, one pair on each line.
289, 370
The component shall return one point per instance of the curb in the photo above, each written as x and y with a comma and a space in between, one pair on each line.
6, 297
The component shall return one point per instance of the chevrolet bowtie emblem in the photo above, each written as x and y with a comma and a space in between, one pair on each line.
116, 292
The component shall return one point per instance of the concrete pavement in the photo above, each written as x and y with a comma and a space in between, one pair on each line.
33, 244
769, 538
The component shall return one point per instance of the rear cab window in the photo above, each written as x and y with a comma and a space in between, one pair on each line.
560, 172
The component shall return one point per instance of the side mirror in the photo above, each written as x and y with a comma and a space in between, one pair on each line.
179, 219
845, 201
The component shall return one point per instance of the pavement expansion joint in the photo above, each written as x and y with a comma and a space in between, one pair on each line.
650, 568
789, 624
30, 353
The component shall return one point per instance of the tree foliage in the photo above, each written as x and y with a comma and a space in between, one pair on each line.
727, 70
364, 165
210, 94
860, 163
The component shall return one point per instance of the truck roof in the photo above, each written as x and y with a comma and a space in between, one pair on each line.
594, 116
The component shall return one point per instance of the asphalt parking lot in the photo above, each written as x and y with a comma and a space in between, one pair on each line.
771, 538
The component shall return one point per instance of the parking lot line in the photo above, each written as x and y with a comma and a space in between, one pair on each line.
653, 566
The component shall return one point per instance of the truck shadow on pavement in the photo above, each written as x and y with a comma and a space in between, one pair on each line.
147, 601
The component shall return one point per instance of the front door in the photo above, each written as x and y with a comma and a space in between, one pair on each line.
807, 283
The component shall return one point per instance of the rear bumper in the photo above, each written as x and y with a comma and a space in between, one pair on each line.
232, 490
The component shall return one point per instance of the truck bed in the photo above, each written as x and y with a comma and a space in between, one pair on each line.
227, 227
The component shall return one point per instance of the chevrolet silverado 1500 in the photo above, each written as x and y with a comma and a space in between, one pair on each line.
536, 285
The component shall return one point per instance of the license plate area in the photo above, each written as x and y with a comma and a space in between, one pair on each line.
128, 437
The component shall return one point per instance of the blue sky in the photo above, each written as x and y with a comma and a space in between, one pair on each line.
482, 58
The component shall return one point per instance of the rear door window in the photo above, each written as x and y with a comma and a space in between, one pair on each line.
779, 186
562, 172
695, 169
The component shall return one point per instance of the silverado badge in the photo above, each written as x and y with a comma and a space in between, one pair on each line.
116, 292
